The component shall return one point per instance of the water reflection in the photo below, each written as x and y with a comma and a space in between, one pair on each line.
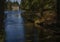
14, 27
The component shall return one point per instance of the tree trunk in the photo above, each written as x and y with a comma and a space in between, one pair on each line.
2, 6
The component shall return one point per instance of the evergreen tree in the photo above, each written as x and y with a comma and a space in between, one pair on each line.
16, 3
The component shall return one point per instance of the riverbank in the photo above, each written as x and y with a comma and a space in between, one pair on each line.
44, 26
2, 36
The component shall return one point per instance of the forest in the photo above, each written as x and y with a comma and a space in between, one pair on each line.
40, 17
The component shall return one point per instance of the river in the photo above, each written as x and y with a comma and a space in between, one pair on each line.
14, 26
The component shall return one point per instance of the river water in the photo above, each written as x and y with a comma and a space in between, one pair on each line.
14, 26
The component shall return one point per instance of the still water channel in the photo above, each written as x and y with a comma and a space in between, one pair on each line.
14, 27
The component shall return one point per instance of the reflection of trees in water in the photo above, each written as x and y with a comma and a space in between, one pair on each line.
29, 32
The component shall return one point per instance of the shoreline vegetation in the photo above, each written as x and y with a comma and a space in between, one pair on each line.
40, 18
10, 4
45, 25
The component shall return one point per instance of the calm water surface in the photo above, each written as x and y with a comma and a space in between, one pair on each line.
14, 27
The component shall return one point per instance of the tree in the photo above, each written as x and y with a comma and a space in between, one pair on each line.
15, 3
8, 5
2, 17
47, 9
